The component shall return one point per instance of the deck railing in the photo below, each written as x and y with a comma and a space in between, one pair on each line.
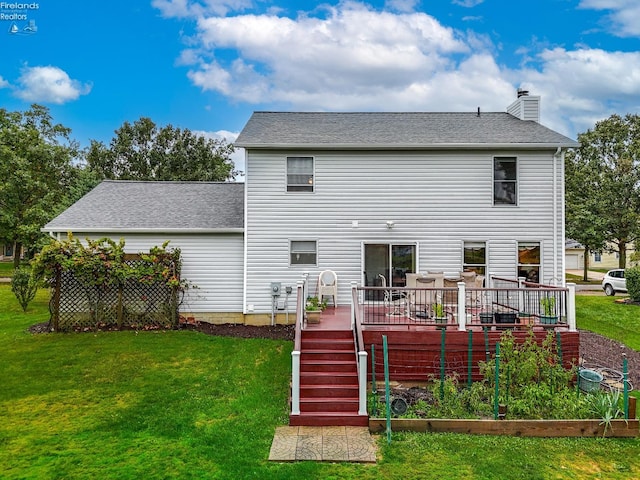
510, 304
295, 354
361, 353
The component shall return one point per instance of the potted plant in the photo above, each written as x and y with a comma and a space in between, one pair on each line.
313, 309
439, 314
548, 305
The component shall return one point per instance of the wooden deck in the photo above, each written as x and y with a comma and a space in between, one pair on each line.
415, 348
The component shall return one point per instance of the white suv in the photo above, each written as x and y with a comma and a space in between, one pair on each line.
614, 281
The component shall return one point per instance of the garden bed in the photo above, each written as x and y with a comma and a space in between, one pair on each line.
520, 428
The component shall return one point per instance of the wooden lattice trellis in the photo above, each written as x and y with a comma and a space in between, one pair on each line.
132, 304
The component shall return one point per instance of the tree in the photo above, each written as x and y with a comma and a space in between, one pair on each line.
143, 151
585, 220
608, 175
35, 161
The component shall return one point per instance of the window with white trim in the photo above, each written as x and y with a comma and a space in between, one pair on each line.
300, 174
303, 252
505, 181
475, 257
529, 261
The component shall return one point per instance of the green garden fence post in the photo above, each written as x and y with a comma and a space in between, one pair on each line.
470, 358
559, 342
442, 341
496, 404
625, 386
386, 386
486, 343
374, 387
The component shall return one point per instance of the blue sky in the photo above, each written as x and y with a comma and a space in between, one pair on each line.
206, 65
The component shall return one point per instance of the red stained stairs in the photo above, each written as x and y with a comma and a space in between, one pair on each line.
328, 380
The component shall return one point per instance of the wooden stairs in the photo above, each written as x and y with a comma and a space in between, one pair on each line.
328, 380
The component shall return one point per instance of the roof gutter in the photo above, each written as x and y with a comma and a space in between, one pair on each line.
141, 230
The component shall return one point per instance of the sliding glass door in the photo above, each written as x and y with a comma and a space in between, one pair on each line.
393, 261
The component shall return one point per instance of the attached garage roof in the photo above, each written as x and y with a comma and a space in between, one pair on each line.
406, 130
179, 207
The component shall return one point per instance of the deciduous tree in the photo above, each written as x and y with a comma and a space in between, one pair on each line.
603, 190
144, 151
35, 160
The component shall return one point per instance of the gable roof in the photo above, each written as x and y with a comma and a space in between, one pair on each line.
139, 207
407, 130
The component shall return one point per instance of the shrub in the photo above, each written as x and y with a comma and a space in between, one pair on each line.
633, 283
24, 286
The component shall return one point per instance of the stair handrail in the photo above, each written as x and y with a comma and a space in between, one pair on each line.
361, 353
297, 345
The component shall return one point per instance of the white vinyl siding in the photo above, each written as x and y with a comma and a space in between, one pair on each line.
210, 262
436, 199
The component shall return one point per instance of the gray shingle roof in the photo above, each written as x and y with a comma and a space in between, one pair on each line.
395, 130
155, 206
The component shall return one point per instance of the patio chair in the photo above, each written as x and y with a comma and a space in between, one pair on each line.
395, 302
328, 286
424, 299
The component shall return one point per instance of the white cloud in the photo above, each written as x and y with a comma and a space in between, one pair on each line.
49, 84
624, 18
3, 83
283, 60
401, 5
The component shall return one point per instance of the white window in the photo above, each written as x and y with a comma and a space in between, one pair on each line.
300, 174
597, 257
475, 257
303, 252
505, 181
529, 261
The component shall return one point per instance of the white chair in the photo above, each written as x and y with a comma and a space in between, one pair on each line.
395, 301
328, 286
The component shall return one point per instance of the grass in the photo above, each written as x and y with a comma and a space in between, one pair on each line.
179, 404
601, 314
6, 269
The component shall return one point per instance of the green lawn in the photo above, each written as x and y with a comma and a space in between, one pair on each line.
603, 315
6, 269
180, 404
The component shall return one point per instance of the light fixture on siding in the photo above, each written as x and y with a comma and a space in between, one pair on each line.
390, 224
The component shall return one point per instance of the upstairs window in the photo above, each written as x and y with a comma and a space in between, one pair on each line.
505, 181
475, 257
300, 174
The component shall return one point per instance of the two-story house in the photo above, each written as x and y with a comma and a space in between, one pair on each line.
370, 194
362, 194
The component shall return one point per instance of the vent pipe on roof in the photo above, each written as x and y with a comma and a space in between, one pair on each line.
478, 111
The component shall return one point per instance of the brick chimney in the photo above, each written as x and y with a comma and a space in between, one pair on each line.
526, 107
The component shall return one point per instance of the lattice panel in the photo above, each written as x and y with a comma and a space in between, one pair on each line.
75, 306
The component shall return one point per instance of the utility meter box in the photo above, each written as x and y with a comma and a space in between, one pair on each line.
276, 287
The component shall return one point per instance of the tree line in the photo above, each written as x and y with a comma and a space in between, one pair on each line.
43, 170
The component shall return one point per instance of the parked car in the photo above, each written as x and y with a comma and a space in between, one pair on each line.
614, 281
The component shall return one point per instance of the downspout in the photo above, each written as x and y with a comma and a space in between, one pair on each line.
563, 215
554, 278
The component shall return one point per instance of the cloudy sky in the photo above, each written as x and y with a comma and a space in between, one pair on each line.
206, 65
